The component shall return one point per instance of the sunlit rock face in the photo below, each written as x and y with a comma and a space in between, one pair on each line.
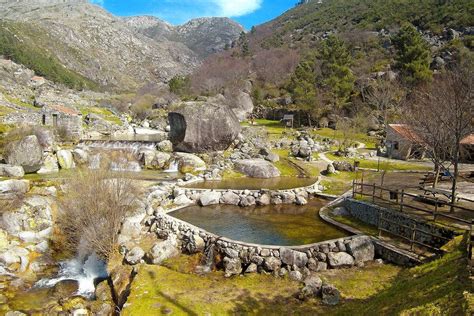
198, 127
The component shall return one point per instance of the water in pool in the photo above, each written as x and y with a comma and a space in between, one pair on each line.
280, 183
286, 225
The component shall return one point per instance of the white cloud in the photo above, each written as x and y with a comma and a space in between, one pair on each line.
233, 8
187, 9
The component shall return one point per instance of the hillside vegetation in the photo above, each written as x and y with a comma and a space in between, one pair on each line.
347, 15
19, 42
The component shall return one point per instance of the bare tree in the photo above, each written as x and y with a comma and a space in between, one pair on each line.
93, 209
384, 97
441, 116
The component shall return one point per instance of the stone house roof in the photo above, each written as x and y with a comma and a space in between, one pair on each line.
63, 109
469, 140
405, 132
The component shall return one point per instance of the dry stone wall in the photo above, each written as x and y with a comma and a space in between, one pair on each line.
240, 257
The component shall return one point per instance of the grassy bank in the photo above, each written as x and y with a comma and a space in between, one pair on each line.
435, 288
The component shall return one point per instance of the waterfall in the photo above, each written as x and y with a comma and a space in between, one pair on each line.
207, 262
85, 272
173, 167
132, 146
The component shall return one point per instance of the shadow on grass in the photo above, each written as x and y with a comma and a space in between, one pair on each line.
435, 288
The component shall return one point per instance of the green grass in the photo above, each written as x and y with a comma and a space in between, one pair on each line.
440, 287
392, 165
370, 142
106, 114
173, 287
22, 42
434, 288
21, 103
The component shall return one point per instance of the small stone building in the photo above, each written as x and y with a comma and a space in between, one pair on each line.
467, 149
67, 121
402, 143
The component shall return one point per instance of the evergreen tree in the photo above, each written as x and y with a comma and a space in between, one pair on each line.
413, 55
335, 69
302, 87
244, 44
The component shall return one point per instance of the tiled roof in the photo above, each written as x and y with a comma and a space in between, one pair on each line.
469, 140
406, 132
63, 109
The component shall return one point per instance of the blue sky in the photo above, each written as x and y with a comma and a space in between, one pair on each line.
246, 12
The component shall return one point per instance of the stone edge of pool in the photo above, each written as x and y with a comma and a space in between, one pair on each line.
326, 254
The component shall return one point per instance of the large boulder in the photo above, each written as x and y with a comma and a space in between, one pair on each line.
361, 248
189, 163
163, 250
65, 159
330, 295
210, 198
135, 255
11, 171
291, 257
257, 168
340, 259
50, 165
153, 159
243, 105
312, 287
230, 198
198, 127
14, 186
232, 266
26, 152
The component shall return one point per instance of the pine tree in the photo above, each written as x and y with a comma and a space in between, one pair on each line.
244, 44
335, 69
302, 87
413, 55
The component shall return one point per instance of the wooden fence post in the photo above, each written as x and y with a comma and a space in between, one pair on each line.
413, 234
353, 189
373, 194
469, 252
380, 223
435, 210
401, 200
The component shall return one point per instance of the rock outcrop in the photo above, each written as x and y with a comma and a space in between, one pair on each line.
204, 36
257, 168
198, 127
26, 152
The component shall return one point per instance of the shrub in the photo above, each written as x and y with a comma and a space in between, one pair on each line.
93, 209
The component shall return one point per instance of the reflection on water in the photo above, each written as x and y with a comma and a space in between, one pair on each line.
285, 225
281, 183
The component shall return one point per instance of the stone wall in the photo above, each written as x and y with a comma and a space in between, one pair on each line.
370, 214
239, 257
204, 197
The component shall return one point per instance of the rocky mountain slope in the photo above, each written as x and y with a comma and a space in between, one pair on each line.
96, 45
195, 34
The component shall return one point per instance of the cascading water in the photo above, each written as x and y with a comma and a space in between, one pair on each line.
173, 167
84, 270
207, 262
132, 146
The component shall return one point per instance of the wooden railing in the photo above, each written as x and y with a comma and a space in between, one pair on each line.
414, 233
470, 244
398, 200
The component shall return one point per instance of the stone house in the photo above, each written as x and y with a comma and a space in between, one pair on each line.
67, 121
402, 143
467, 149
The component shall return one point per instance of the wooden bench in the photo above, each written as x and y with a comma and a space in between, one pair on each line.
429, 178
434, 192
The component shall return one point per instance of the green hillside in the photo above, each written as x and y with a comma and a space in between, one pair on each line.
21, 43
